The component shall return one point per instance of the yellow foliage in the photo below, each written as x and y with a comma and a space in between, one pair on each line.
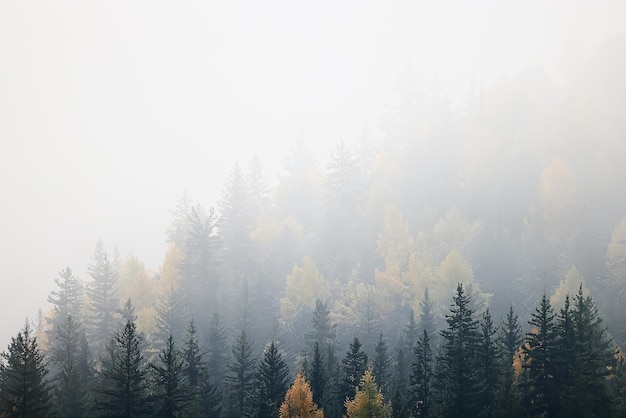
304, 286
559, 200
298, 401
568, 286
454, 232
616, 253
368, 401
395, 243
169, 275
135, 283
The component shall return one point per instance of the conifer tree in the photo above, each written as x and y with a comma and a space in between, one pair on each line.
456, 366
411, 333
324, 330
508, 341
298, 401
422, 376
103, 303
271, 382
401, 382
23, 388
123, 388
241, 376
317, 375
540, 391
427, 317
66, 300
171, 393
381, 365
354, 365
169, 319
127, 313
72, 381
368, 400
217, 357
488, 367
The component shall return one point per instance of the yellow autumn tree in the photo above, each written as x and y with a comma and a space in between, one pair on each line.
368, 401
568, 286
304, 286
298, 401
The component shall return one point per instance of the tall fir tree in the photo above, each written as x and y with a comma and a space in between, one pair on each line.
24, 391
241, 377
488, 370
354, 365
172, 394
317, 375
199, 268
381, 365
169, 319
324, 330
457, 380
421, 378
509, 340
66, 299
101, 322
217, 349
123, 387
272, 382
539, 390
73, 370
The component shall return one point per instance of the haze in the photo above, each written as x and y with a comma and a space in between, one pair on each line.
109, 111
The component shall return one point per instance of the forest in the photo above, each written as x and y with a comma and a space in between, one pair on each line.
471, 263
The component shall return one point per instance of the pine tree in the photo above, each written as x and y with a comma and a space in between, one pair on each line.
368, 400
401, 382
217, 357
593, 360
317, 375
411, 333
298, 401
540, 390
127, 313
71, 381
456, 366
66, 300
354, 365
271, 382
422, 376
103, 303
169, 319
171, 393
178, 232
427, 318
194, 359
509, 340
23, 388
199, 269
324, 330
123, 388
381, 365
241, 377
488, 367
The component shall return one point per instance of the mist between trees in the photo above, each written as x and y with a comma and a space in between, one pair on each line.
471, 263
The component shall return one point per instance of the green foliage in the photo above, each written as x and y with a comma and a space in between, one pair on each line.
421, 378
272, 382
381, 365
172, 394
23, 388
241, 377
122, 390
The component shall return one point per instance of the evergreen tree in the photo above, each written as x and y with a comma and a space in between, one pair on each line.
66, 300
427, 317
217, 357
422, 376
241, 377
123, 388
585, 393
178, 232
381, 365
401, 383
169, 319
540, 390
103, 303
298, 401
199, 269
271, 382
411, 333
127, 313
194, 359
509, 340
324, 330
488, 367
456, 377
368, 400
71, 381
171, 393
317, 375
23, 388
354, 365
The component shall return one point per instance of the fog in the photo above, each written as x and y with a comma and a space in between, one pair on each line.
109, 111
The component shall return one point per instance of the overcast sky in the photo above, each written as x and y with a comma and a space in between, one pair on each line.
109, 110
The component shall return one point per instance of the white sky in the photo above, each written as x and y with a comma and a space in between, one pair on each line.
109, 110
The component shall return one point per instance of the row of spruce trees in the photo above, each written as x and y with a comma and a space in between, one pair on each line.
564, 366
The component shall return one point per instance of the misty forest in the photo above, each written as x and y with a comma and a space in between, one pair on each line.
471, 262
